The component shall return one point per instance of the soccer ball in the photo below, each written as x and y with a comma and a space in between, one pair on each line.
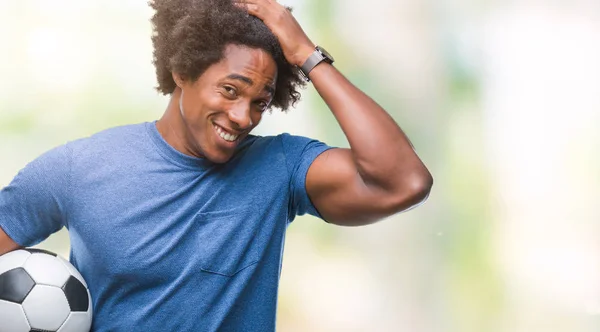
41, 291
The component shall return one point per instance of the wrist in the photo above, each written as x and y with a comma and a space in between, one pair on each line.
304, 53
318, 55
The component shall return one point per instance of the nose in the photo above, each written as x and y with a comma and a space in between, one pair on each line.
240, 115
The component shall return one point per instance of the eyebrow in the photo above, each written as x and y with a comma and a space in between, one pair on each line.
249, 81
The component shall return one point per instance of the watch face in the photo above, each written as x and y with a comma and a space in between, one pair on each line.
325, 53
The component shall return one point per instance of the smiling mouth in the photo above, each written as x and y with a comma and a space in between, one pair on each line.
225, 135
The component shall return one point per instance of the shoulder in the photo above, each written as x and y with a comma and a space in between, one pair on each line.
53, 160
256, 144
298, 148
111, 139
113, 134
284, 143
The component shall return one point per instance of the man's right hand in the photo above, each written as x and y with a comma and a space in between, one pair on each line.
6, 243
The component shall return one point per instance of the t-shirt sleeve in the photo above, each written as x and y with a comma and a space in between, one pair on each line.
300, 152
33, 205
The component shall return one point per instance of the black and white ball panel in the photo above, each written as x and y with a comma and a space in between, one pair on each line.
42, 268
13, 260
78, 321
46, 307
18, 321
40, 291
72, 270
15, 285
39, 251
76, 294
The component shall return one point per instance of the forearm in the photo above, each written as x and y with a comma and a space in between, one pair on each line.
383, 154
6, 243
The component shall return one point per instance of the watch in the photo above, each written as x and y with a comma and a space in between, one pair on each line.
318, 56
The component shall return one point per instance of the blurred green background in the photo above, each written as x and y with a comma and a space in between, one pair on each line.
500, 98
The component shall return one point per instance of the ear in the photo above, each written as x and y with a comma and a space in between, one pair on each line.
179, 80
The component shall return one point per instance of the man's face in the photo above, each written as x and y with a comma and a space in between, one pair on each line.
227, 102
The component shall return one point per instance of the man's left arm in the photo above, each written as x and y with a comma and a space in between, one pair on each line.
380, 174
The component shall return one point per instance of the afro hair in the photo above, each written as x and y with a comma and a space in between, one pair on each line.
191, 35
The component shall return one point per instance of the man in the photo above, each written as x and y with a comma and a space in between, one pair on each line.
178, 224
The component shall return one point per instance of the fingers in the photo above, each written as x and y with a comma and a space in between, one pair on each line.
256, 2
251, 8
259, 8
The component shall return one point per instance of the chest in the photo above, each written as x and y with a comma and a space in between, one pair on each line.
153, 227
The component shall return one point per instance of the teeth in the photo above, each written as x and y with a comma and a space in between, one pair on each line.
224, 135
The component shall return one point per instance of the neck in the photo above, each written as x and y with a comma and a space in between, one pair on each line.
172, 127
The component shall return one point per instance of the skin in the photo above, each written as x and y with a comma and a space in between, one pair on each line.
232, 94
6, 243
379, 175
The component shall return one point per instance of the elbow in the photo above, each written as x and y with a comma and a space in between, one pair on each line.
422, 187
413, 192
408, 194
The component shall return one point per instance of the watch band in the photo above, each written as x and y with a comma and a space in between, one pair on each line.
313, 60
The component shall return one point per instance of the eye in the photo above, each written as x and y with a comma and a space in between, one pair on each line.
262, 105
230, 91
